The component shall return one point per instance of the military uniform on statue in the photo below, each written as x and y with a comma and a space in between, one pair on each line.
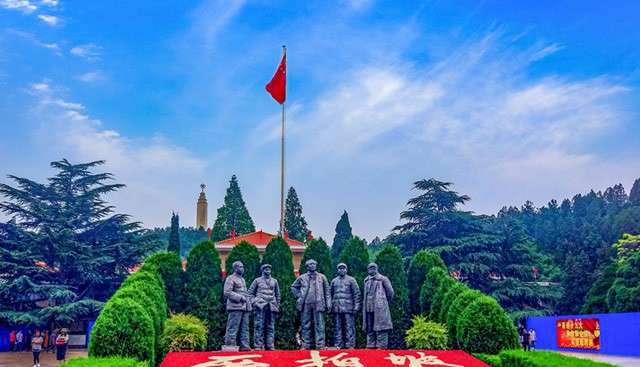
265, 293
313, 295
345, 298
376, 322
238, 308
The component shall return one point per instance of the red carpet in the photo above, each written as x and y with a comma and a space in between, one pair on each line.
324, 358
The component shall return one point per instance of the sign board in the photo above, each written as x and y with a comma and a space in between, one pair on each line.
578, 333
324, 358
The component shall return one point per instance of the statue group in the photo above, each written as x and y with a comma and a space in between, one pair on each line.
315, 297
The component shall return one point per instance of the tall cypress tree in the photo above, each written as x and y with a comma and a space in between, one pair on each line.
294, 222
174, 234
278, 254
249, 256
420, 265
233, 214
389, 263
634, 194
318, 250
343, 234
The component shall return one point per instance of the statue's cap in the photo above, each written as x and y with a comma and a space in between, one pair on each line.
236, 264
372, 265
264, 266
341, 265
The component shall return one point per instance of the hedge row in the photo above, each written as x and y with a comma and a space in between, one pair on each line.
518, 358
475, 322
104, 362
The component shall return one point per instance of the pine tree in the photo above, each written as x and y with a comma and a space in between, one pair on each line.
63, 243
355, 255
233, 215
624, 294
249, 256
278, 254
634, 194
343, 234
596, 299
318, 250
294, 222
174, 235
420, 265
204, 291
389, 263
576, 282
169, 266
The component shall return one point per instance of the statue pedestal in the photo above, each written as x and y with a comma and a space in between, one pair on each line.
230, 348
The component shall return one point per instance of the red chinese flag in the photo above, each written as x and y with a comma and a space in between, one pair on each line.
277, 87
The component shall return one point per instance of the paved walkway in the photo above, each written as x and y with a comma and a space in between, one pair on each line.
25, 359
615, 360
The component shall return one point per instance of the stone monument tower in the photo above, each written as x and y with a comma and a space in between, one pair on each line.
201, 211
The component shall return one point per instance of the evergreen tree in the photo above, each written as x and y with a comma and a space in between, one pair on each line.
318, 250
204, 291
576, 282
64, 244
169, 266
278, 254
343, 234
249, 256
596, 299
634, 194
233, 215
624, 294
189, 237
390, 264
174, 234
355, 255
420, 265
294, 222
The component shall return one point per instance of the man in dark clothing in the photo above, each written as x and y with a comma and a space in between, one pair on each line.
313, 296
238, 308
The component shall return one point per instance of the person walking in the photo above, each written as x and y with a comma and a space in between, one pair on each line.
52, 341
36, 347
61, 345
12, 341
532, 339
19, 339
525, 339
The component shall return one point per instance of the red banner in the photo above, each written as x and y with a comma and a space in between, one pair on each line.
324, 358
578, 333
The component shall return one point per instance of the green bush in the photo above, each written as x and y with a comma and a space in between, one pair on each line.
425, 334
355, 255
448, 299
485, 327
169, 266
183, 333
491, 360
519, 358
429, 287
624, 294
421, 263
458, 305
204, 290
318, 250
104, 362
249, 256
446, 283
153, 310
390, 264
123, 328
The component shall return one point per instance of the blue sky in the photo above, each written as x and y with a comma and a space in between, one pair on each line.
509, 100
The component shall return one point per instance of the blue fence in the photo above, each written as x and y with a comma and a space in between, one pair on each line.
619, 332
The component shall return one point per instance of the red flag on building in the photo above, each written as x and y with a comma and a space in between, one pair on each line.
277, 87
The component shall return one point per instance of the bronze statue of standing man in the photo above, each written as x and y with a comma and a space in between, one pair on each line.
376, 317
313, 296
238, 309
265, 294
345, 298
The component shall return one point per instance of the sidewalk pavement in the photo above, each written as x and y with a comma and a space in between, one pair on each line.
25, 359
615, 360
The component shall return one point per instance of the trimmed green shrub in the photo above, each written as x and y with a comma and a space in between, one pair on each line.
458, 305
390, 264
278, 254
204, 291
449, 296
123, 328
169, 266
249, 256
624, 294
421, 263
491, 360
183, 333
318, 250
104, 362
425, 334
445, 285
429, 287
519, 358
153, 310
356, 256
484, 327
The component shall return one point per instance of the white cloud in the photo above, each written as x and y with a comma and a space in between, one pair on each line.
40, 87
24, 6
358, 5
52, 3
87, 51
32, 38
49, 19
91, 77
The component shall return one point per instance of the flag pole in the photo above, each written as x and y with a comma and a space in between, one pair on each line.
284, 53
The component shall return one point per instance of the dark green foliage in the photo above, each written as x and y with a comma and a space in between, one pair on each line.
390, 264
318, 250
448, 299
169, 266
425, 334
184, 333
576, 282
634, 194
124, 329
343, 234
456, 308
63, 243
355, 255
249, 256
233, 215
596, 300
421, 263
429, 288
624, 294
189, 237
104, 362
157, 312
278, 254
204, 291
294, 222
484, 327
438, 297
519, 358
174, 235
